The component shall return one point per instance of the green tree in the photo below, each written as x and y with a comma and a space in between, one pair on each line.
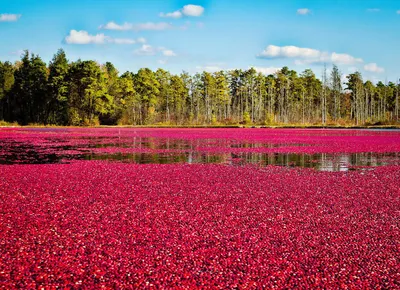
356, 86
208, 92
164, 79
84, 93
312, 88
111, 79
6, 84
57, 89
126, 100
222, 98
336, 88
147, 87
88, 93
178, 96
29, 95
370, 91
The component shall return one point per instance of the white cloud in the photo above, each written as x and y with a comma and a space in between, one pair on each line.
123, 41
187, 10
307, 55
266, 70
145, 50
137, 27
9, 17
152, 26
373, 67
398, 11
303, 11
114, 26
83, 37
193, 10
175, 14
273, 51
162, 61
168, 52
373, 10
342, 58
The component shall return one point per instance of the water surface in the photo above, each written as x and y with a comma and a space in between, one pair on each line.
53, 145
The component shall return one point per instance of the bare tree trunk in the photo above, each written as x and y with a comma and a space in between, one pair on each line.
323, 97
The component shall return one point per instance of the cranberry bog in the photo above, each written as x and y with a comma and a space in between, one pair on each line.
199, 208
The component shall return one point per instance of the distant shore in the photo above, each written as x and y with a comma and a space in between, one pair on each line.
382, 127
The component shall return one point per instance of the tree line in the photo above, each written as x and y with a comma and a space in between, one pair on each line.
88, 93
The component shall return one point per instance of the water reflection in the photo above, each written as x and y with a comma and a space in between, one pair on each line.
163, 150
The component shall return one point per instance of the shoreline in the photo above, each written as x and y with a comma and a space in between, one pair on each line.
353, 127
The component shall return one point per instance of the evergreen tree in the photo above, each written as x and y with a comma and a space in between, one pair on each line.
57, 89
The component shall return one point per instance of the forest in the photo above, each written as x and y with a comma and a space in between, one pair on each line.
86, 93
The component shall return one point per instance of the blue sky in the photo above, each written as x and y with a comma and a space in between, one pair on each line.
210, 34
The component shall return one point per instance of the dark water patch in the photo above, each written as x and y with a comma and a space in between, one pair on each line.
29, 154
147, 150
